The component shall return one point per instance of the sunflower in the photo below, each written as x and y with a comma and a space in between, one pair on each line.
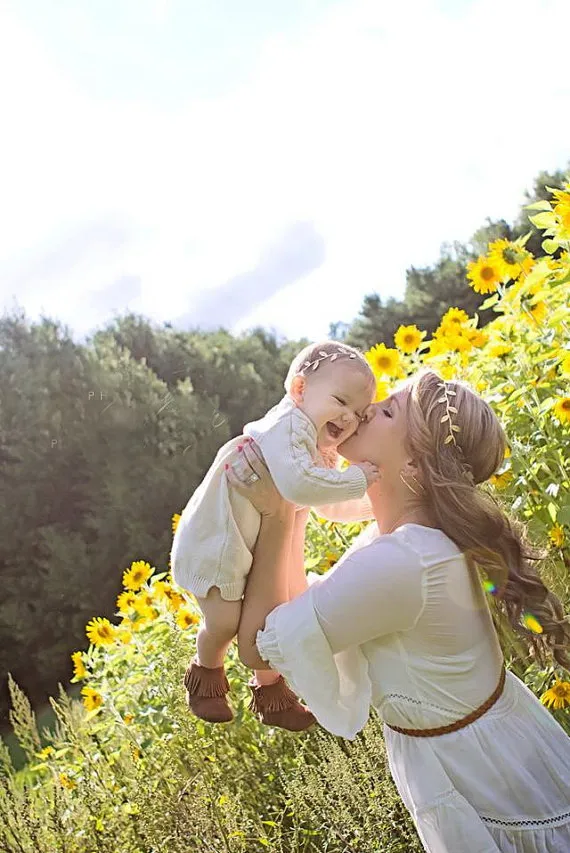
483, 275
408, 338
138, 573
100, 632
146, 612
128, 718
557, 536
558, 695
174, 599
66, 782
91, 699
175, 521
562, 409
436, 347
329, 559
143, 600
499, 349
453, 318
79, 670
501, 481
45, 752
476, 337
125, 636
562, 212
159, 589
185, 618
565, 365
134, 624
382, 391
447, 371
538, 312
460, 341
510, 259
383, 361
126, 601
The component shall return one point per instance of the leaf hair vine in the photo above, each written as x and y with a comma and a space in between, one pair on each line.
322, 356
453, 428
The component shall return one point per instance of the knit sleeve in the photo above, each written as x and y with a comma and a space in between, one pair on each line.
290, 452
346, 511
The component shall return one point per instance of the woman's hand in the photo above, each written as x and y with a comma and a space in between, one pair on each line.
262, 492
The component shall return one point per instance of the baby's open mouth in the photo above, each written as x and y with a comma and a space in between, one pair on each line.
333, 430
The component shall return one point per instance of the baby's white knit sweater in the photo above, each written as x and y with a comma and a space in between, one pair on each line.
217, 531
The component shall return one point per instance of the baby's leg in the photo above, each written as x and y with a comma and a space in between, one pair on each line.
220, 625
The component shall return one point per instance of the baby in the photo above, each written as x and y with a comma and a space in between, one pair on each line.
329, 388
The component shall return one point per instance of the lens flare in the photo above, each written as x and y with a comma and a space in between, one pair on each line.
532, 623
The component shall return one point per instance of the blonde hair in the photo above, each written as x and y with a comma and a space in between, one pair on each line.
313, 353
472, 517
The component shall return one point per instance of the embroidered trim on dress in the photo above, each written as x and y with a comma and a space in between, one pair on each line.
415, 702
526, 823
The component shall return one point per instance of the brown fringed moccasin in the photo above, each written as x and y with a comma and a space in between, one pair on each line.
277, 705
206, 693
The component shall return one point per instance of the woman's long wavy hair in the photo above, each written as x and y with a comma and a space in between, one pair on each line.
472, 517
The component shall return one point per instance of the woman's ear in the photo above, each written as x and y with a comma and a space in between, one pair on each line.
298, 388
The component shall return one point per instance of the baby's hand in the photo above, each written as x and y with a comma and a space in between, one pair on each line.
371, 471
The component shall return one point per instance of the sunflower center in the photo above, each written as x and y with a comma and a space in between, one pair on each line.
384, 362
487, 273
566, 405
561, 691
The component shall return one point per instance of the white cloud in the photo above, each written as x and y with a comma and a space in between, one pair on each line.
390, 127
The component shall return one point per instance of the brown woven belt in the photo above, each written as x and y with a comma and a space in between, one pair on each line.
459, 724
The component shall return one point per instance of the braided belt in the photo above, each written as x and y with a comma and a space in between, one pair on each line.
459, 724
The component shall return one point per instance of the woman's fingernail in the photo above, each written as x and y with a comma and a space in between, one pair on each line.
226, 466
240, 447
245, 441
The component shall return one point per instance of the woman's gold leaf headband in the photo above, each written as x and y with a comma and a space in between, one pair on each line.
453, 428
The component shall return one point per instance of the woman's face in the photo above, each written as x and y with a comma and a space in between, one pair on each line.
381, 439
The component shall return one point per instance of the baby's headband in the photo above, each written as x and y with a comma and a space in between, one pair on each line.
322, 356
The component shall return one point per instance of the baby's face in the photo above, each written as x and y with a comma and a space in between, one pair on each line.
337, 402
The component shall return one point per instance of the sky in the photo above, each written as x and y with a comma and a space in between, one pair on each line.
250, 163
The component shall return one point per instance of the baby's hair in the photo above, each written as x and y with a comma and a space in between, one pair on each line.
324, 355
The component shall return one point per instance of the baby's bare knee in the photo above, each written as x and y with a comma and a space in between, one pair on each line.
221, 617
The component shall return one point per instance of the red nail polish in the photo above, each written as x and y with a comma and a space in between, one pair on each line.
226, 466
240, 447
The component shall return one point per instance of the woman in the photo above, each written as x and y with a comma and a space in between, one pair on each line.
402, 623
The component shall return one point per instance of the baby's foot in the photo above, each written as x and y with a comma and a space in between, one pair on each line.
205, 693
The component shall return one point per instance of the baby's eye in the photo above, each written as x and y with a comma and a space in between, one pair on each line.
342, 402
387, 412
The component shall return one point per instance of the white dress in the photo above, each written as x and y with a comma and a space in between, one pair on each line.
401, 624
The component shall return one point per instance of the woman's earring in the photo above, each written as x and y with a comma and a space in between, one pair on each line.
411, 488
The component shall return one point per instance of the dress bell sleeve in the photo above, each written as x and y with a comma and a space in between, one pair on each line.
315, 640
